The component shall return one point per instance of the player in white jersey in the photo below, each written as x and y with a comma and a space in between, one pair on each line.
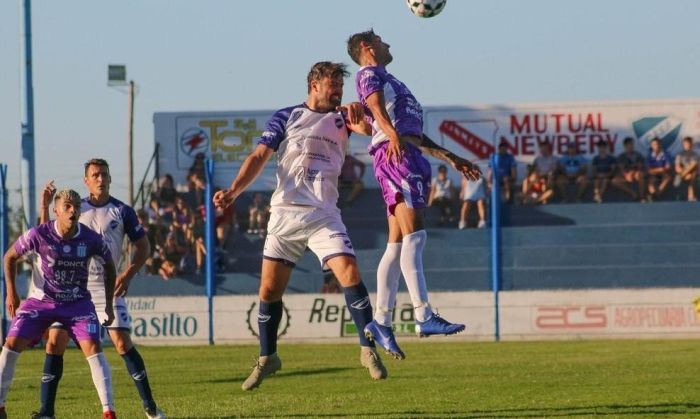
310, 140
114, 220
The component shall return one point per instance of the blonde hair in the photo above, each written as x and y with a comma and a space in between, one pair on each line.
67, 195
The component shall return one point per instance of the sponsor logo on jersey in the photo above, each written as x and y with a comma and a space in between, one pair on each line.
66, 248
339, 123
82, 251
113, 224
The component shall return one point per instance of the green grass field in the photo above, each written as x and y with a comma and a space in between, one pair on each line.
439, 378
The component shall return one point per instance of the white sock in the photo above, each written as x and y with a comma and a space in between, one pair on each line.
102, 377
412, 269
8, 361
388, 276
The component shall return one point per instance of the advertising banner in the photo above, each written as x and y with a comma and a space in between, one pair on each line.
169, 320
325, 316
476, 132
600, 313
472, 132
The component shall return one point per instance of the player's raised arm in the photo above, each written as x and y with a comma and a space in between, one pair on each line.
46, 198
354, 118
250, 169
468, 169
10, 266
377, 105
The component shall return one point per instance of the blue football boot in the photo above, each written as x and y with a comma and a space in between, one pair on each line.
384, 337
436, 325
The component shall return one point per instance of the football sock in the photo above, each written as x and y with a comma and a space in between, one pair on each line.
388, 276
53, 371
8, 361
412, 269
357, 300
269, 317
137, 370
102, 378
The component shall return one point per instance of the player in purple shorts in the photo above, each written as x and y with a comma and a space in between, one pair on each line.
63, 249
404, 177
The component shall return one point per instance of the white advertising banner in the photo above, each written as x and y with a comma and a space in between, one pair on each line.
472, 132
573, 314
600, 313
325, 316
475, 132
169, 320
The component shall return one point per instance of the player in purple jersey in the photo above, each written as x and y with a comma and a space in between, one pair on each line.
114, 221
404, 176
310, 140
64, 250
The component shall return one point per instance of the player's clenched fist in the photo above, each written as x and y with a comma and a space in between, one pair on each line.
224, 198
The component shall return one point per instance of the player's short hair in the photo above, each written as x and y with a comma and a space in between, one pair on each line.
325, 69
656, 139
95, 162
355, 43
628, 140
688, 140
67, 195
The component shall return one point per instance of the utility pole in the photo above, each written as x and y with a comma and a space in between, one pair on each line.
130, 147
27, 167
116, 77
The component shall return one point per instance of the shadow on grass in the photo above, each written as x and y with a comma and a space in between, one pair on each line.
295, 373
643, 410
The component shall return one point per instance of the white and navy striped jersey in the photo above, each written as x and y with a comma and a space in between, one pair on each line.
310, 150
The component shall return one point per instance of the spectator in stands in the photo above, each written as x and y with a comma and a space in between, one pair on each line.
197, 166
687, 168
572, 170
195, 189
183, 220
350, 179
258, 214
604, 167
442, 194
659, 169
630, 164
171, 255
507, 171
166, 192
544, 169
472, 192
536, 190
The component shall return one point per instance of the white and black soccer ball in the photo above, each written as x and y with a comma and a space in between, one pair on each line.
426, 8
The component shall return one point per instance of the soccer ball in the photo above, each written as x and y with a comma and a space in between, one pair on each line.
426, 8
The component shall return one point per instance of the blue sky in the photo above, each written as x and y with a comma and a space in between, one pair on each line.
213, 55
